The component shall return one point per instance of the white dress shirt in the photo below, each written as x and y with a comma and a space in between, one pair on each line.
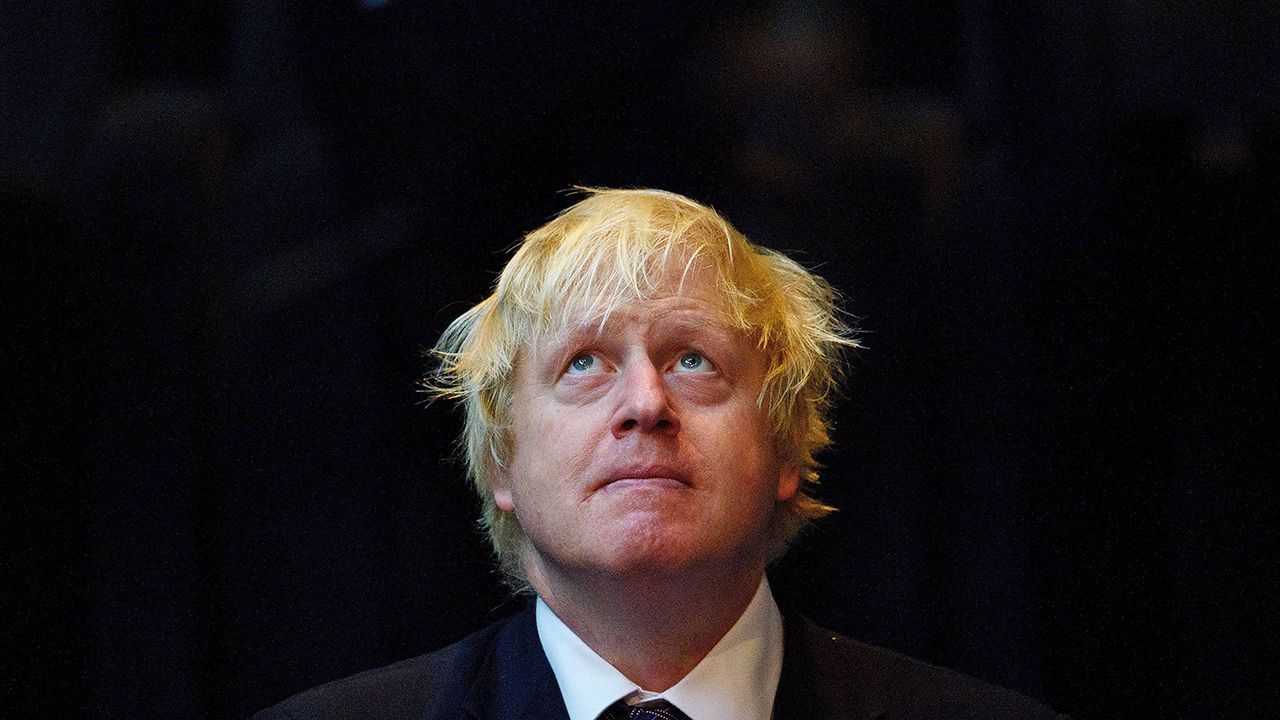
737, 679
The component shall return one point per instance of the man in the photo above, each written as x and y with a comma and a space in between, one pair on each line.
645, 391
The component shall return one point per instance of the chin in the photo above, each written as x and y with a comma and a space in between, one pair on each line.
625, 548
651, 554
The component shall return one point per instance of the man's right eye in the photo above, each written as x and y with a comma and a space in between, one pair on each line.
583, 364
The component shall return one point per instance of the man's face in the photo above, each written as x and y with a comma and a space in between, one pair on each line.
639, 449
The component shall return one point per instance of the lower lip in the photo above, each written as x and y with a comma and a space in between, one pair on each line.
648, 483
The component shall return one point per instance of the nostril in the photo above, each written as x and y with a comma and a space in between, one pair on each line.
628, 425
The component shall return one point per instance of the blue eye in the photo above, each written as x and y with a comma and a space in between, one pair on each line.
694, 362
582, 364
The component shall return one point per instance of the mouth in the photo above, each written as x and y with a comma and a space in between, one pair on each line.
645, 477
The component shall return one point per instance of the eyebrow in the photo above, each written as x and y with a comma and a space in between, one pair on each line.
716, 329
552, 349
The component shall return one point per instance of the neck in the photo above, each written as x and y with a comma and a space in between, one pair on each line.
654, 630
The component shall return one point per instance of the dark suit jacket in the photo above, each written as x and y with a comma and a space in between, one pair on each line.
501, 672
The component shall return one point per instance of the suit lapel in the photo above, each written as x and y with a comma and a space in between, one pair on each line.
816, 683
516, 682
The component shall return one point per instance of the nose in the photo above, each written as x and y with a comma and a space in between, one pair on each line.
643, 405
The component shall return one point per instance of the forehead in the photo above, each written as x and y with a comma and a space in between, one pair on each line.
653, 320
679, 294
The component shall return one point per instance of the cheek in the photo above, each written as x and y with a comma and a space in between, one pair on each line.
548, 448
743, 444
543, 436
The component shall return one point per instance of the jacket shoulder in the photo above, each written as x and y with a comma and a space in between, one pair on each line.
412, 688
828, 675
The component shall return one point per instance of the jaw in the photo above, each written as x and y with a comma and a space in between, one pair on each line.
648, 552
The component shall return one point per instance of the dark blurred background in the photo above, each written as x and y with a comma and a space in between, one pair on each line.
232, 229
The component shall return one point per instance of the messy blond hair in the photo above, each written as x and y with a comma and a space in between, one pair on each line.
615, 246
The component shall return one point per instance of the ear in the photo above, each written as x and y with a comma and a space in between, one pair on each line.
788, 482
500, 486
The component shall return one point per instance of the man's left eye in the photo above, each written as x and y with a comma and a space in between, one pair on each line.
584, 363
694, 362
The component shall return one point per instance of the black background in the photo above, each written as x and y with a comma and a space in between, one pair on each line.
232, 229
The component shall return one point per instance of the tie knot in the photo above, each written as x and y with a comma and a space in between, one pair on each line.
652, 710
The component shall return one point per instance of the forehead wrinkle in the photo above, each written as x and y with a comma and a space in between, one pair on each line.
598, 293
682, 320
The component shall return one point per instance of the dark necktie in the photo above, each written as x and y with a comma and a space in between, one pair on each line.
654, 710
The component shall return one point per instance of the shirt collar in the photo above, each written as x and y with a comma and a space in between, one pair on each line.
737, 679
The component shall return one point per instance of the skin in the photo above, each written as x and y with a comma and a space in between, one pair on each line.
643, 474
